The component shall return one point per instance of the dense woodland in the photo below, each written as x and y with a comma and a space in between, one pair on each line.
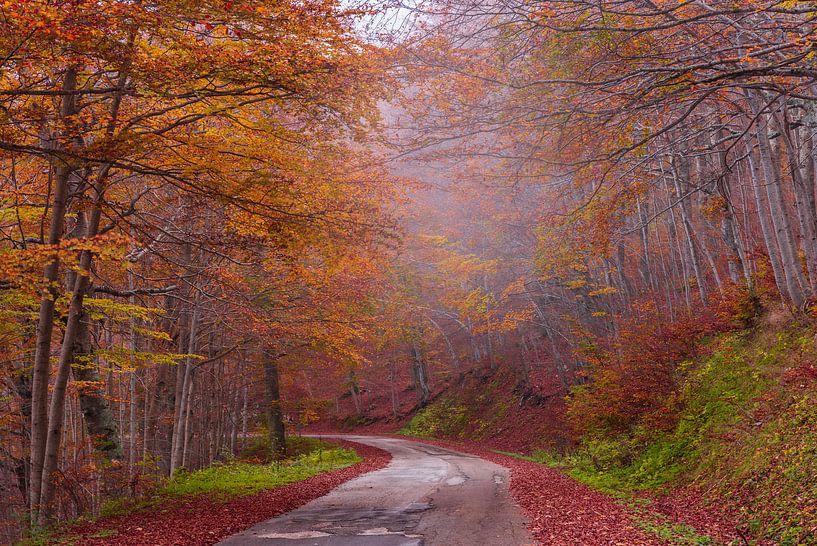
224, 219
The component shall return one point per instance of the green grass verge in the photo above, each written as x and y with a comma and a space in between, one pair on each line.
235, 479
746, 434
642, 517
239, 478
307, 457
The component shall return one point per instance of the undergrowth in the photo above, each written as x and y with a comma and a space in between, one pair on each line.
746, 436
443, 419
307, 457
739, 431
240, 478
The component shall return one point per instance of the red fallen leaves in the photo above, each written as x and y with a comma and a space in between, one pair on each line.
202, 521
561, 510
565, 512
687, 505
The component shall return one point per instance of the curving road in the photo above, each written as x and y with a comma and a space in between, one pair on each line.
426, 496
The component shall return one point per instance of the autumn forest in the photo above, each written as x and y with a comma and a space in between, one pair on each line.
581, 232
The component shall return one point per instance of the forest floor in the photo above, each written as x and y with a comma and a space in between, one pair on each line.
199, 518
563, 511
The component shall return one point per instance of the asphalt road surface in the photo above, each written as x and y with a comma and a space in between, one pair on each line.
426, 496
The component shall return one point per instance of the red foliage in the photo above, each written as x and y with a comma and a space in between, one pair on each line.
561, 510
635, 378
688, 506
203, 521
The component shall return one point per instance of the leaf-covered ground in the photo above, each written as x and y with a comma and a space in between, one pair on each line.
561, 510
564, 512
203, 521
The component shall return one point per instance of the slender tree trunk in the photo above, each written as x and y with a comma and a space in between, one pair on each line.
273, 409
686, 224
780, 220
395, 394
804, 199
179, 433
420, 374
186, 429
769, 162
679, 248
644, 262
132, 417
244, 417
72, 327
763, 218
45, 323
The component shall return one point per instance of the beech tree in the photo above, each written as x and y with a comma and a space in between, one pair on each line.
666, 149
177, 138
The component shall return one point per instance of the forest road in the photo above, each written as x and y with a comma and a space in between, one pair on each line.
426, 496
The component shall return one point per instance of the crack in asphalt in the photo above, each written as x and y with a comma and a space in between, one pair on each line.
427, 496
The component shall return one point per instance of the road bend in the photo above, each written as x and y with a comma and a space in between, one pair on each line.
426, 496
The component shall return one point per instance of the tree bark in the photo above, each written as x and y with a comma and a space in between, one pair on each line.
420, 374
791, 271
686, 224
769, 241
179, 432
95, 407
273, 410
804, 199
45, 323
72, 329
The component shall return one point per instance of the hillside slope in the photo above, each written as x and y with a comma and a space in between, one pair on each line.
741, 439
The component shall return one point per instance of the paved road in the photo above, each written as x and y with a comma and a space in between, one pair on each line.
426, 496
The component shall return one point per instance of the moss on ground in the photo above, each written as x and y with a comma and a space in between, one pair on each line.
745, 436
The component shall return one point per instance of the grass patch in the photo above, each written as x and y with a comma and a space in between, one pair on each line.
307, 457
236, 479
669, 531
241, 478
443, 419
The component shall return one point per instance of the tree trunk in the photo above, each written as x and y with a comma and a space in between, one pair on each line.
95, 407
273, 410
804, 199
133, 428
179, 433
41, 371
770, 242
686, 224
72, 328
792, 273
395, 393
420, 375
186, 430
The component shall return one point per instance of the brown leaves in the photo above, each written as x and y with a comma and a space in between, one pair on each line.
201, 521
